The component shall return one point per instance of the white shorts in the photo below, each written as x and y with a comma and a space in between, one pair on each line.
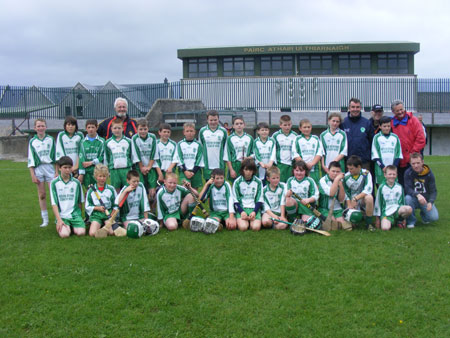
45, 172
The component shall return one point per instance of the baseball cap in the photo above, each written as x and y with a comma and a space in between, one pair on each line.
376, 107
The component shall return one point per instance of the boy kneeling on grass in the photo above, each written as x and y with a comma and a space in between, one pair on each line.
220, 198
98, 208
136, 206
390, 201
274, 200
173, 201
67, 196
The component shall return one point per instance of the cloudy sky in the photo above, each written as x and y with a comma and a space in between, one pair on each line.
59, 43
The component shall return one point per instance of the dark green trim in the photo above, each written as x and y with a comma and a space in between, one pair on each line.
374, 47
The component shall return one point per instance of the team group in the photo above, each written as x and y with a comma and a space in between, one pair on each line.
250, 183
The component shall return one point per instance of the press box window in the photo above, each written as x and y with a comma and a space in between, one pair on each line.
354, 64
204, 67
392, 63
277, 65
239, 66
315, 65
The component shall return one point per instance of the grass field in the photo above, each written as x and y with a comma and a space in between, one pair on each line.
268, 283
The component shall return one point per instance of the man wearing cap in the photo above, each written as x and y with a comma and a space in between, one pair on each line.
359, 132
410, 132
129, 125
377, 114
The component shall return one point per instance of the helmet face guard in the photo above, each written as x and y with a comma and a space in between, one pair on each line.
353, 215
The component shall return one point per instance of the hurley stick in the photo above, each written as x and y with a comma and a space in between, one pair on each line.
118, 231
99, 198
328, 221
316, 212
322, 232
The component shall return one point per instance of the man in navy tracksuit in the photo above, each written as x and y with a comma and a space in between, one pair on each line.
359, 132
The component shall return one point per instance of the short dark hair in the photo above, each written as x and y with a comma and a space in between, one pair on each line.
142, 123
354, 100
239, 117
91, 122
212, 113
65, 160
262, 125
71, 120
391, 167
385, 119
334, 164
301, 165
285, 118
248, 163
132, 173
416, 155
355, 161
217, 172
163, 126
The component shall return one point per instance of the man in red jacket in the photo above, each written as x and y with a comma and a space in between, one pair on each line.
410, 132
129, 124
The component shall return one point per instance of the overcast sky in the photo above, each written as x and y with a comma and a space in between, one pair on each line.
59, 43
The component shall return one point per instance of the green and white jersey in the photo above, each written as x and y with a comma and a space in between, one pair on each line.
305, 188
41, 151
169, 202
143, 150
307, 149
237, 147
274, 199
213, 143
389, 199
166, 153
190, 154
248, 193
135, 205
284, 146
68, 145
325, 199
118, 153
264, 153
354, 185
91, 151
220, 199
333, 145
387, 148
108, 196
67, 196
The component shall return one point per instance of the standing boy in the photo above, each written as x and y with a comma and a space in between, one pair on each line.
284, 138
421, 192
308, 148
41, 162
212, 137
118, 155
166, 152
92, 152
358, 188
334, 143
386, 149
143, 146
265, 150
390, 202
239, 145
67, 196
190, 157
220, 198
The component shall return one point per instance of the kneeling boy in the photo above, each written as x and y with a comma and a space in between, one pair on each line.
390, 201
220, 198
136, 206
173, 201
274, 200
67, 196
98, 208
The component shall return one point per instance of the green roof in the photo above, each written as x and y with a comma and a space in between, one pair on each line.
311, 48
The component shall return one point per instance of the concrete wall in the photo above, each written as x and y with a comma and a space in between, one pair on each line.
155, 115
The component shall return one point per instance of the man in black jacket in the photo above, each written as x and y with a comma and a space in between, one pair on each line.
129, 125
420, 191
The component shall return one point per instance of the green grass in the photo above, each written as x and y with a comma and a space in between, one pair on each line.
268, 283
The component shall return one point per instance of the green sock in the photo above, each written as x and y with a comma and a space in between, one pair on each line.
369, 220
290, 211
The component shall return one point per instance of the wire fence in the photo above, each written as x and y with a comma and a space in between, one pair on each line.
283, 94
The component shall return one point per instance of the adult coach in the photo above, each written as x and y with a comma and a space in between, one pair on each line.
359, 132
410, 132
129, 125
377, 114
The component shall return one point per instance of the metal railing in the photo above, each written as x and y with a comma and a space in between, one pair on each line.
304, 94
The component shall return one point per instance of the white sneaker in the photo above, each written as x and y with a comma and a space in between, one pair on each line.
43, 225
410, 226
